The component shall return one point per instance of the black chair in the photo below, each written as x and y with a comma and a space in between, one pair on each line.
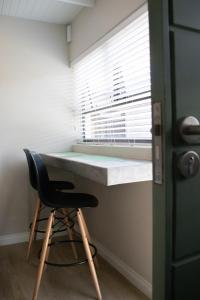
57, 185
55, 199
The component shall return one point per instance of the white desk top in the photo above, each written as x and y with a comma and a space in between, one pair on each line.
106, 170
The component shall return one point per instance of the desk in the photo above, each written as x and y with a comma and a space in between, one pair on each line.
106, 170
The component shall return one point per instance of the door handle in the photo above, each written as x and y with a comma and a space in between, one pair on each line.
189, 129
192, 130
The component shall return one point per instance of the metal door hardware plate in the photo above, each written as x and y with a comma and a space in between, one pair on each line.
157, 121
189, 164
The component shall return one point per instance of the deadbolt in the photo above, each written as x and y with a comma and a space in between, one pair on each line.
189, 164
189, 129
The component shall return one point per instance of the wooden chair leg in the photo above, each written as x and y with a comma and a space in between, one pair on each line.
85, 226
88, 235
37, 223
49, 242
43, 255
32, 232
89, 255
70, 232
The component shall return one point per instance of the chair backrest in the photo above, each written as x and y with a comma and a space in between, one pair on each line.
43, 183
31, 167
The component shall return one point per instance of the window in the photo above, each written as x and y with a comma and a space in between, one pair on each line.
113, 88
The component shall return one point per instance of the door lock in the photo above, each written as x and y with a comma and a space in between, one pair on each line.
189, 164
189, 130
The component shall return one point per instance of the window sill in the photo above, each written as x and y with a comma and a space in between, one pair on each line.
130, 152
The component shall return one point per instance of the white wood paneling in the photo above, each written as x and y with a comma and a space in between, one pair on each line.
87, 3
52, 11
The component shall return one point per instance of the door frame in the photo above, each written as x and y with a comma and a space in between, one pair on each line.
162, 193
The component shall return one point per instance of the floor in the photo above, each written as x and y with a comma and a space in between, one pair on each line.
17, 277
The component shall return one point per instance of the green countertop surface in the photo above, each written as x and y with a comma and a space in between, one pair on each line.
88, 156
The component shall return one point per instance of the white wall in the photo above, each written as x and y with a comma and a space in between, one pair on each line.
122, 224
35, 109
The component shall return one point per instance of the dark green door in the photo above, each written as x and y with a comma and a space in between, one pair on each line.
175, 71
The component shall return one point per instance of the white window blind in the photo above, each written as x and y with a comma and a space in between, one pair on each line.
113, 88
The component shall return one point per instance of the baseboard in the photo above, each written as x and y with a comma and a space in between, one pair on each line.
137, 280
15, 238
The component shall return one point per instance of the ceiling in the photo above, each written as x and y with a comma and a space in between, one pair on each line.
51, 11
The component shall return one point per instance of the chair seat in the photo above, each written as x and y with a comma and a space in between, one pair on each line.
61, 185
58, 199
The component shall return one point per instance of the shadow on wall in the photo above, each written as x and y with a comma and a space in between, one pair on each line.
15, 194
122, 223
